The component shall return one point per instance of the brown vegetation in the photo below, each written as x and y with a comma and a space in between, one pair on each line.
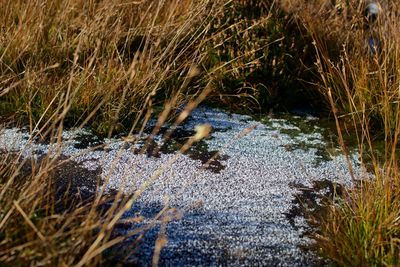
113, 65
357, 60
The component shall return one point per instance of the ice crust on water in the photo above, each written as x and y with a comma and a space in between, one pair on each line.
243, 216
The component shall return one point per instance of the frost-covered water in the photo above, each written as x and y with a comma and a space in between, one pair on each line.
236, 216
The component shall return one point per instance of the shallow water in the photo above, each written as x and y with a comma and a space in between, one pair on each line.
242, 210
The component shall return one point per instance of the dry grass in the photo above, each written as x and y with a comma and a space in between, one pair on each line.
361, 85
34, 232
103, 63
361, 81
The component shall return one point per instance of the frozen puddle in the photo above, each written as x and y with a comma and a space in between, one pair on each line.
236, 214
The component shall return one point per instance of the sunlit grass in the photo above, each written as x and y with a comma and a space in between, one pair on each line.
361, 85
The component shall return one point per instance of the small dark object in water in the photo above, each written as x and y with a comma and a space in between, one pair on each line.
371, 12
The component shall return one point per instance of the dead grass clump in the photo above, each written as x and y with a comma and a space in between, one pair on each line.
364, 229
108, 62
